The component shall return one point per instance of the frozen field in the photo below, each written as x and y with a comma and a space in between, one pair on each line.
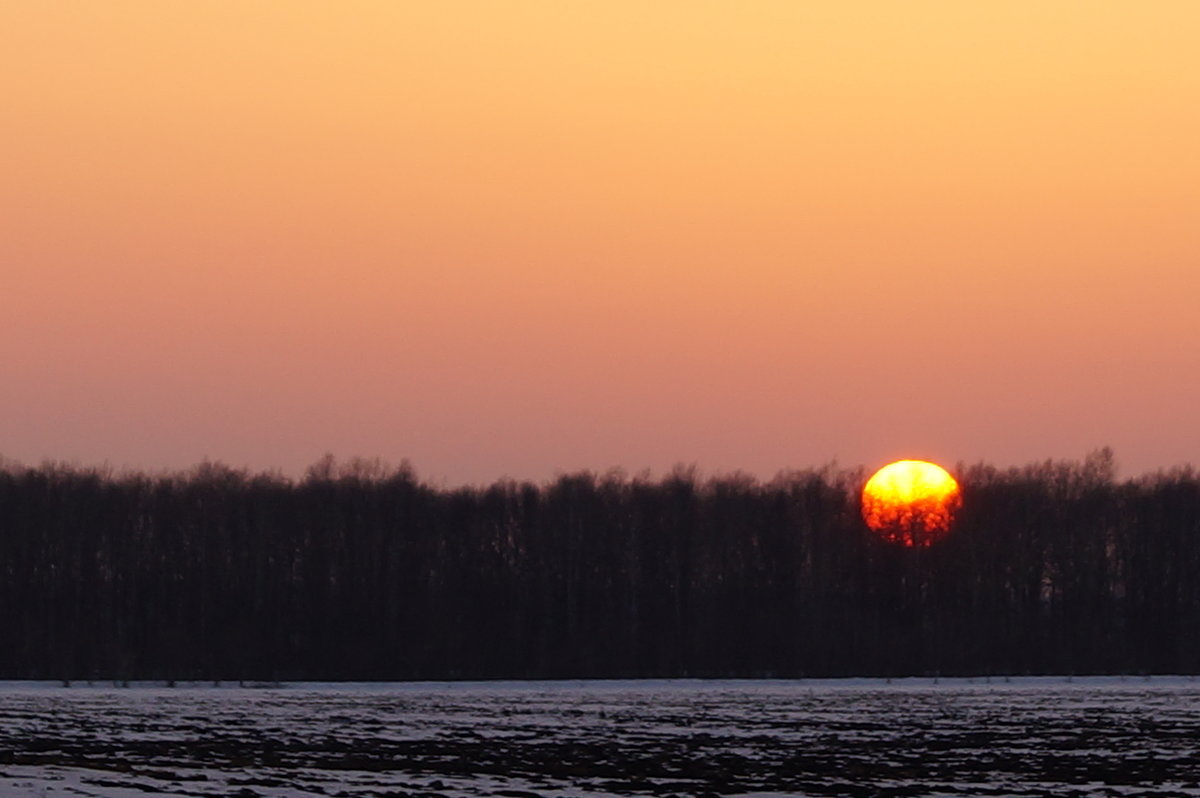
1027, 737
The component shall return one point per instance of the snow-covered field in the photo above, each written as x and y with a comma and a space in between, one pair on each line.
1024, 737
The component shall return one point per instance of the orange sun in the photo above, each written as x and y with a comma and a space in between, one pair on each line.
911, 502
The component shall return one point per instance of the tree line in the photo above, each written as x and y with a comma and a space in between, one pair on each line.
362, 571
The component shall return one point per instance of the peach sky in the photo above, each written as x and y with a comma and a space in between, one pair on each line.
516, 238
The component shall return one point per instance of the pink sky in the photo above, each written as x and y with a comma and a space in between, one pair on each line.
522, 238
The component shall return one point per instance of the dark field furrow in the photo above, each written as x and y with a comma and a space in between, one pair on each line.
1105, 738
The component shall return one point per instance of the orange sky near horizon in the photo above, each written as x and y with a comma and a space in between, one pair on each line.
512, 239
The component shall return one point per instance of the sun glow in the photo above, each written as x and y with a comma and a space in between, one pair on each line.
911, 502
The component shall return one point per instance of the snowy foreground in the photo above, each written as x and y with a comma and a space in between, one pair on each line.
1024, 737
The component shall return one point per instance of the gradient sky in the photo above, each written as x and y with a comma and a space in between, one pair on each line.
517, 238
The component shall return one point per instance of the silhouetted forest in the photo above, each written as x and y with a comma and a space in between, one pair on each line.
359, 571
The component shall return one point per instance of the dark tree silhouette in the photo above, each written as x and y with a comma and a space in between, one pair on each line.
360, 571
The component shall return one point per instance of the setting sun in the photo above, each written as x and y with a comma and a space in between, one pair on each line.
911, 502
